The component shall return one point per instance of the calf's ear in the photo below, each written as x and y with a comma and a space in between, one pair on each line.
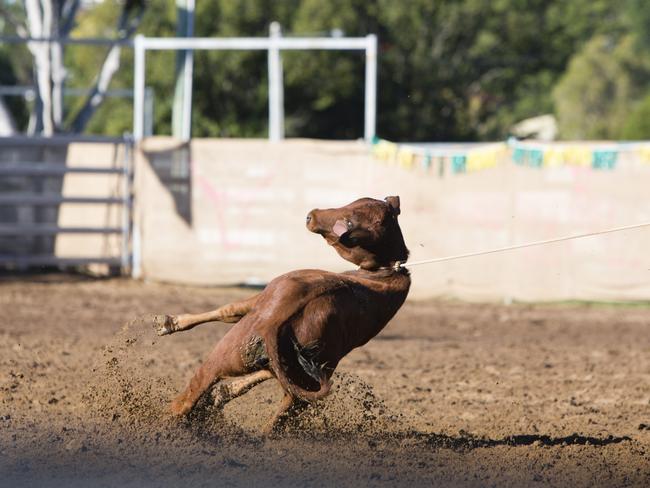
394, 204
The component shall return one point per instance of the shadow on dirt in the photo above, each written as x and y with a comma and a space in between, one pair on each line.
467, 441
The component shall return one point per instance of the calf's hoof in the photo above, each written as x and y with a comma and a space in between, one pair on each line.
165, 324
220, 395
180, 408
275, 428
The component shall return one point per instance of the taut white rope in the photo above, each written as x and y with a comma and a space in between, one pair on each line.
521, 246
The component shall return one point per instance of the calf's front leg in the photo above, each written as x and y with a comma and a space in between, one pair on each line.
230, 313
223, 393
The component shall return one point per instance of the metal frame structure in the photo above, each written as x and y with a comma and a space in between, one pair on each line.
29, 93
39, 169
273, 45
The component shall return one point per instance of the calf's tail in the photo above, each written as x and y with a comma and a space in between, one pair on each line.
279, 367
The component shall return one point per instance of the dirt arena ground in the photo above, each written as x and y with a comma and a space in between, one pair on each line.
450, 394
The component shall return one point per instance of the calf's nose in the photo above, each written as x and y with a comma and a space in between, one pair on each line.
310, 221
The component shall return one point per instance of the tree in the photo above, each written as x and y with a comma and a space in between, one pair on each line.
43, 20
599, 90
637, 123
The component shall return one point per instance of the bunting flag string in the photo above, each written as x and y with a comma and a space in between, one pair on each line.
469, 158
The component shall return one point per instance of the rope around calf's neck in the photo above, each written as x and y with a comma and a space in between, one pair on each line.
399, 265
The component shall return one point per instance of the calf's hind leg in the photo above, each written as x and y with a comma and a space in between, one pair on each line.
230, 313
224, 361
289, 408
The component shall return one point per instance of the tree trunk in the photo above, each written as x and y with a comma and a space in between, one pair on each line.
58, 74
39, 18
126, 27
54, 19
97, 94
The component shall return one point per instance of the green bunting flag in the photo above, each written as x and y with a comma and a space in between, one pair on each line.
604, 159
458, 164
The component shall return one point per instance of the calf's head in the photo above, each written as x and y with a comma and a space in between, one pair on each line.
365, 232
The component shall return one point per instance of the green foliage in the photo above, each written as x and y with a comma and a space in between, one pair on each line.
115, 115
449, 70
637, 125
600, 96
597, 93
8, 77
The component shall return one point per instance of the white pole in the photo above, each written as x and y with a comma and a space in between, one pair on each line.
188, 68
138, 134
257, 43
126, 206
138, 88
370, 119
276, 89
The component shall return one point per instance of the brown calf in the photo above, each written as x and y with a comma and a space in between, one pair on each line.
304, 322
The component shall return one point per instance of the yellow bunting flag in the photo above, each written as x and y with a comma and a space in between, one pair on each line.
385, 151
644, 154
554, 157
405, 158
577, 155
484, 158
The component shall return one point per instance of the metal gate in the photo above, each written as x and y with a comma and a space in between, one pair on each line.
32, 175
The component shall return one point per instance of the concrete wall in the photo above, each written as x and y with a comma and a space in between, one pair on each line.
100, 155
232, 211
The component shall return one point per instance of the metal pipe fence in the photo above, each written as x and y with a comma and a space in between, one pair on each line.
46, 169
